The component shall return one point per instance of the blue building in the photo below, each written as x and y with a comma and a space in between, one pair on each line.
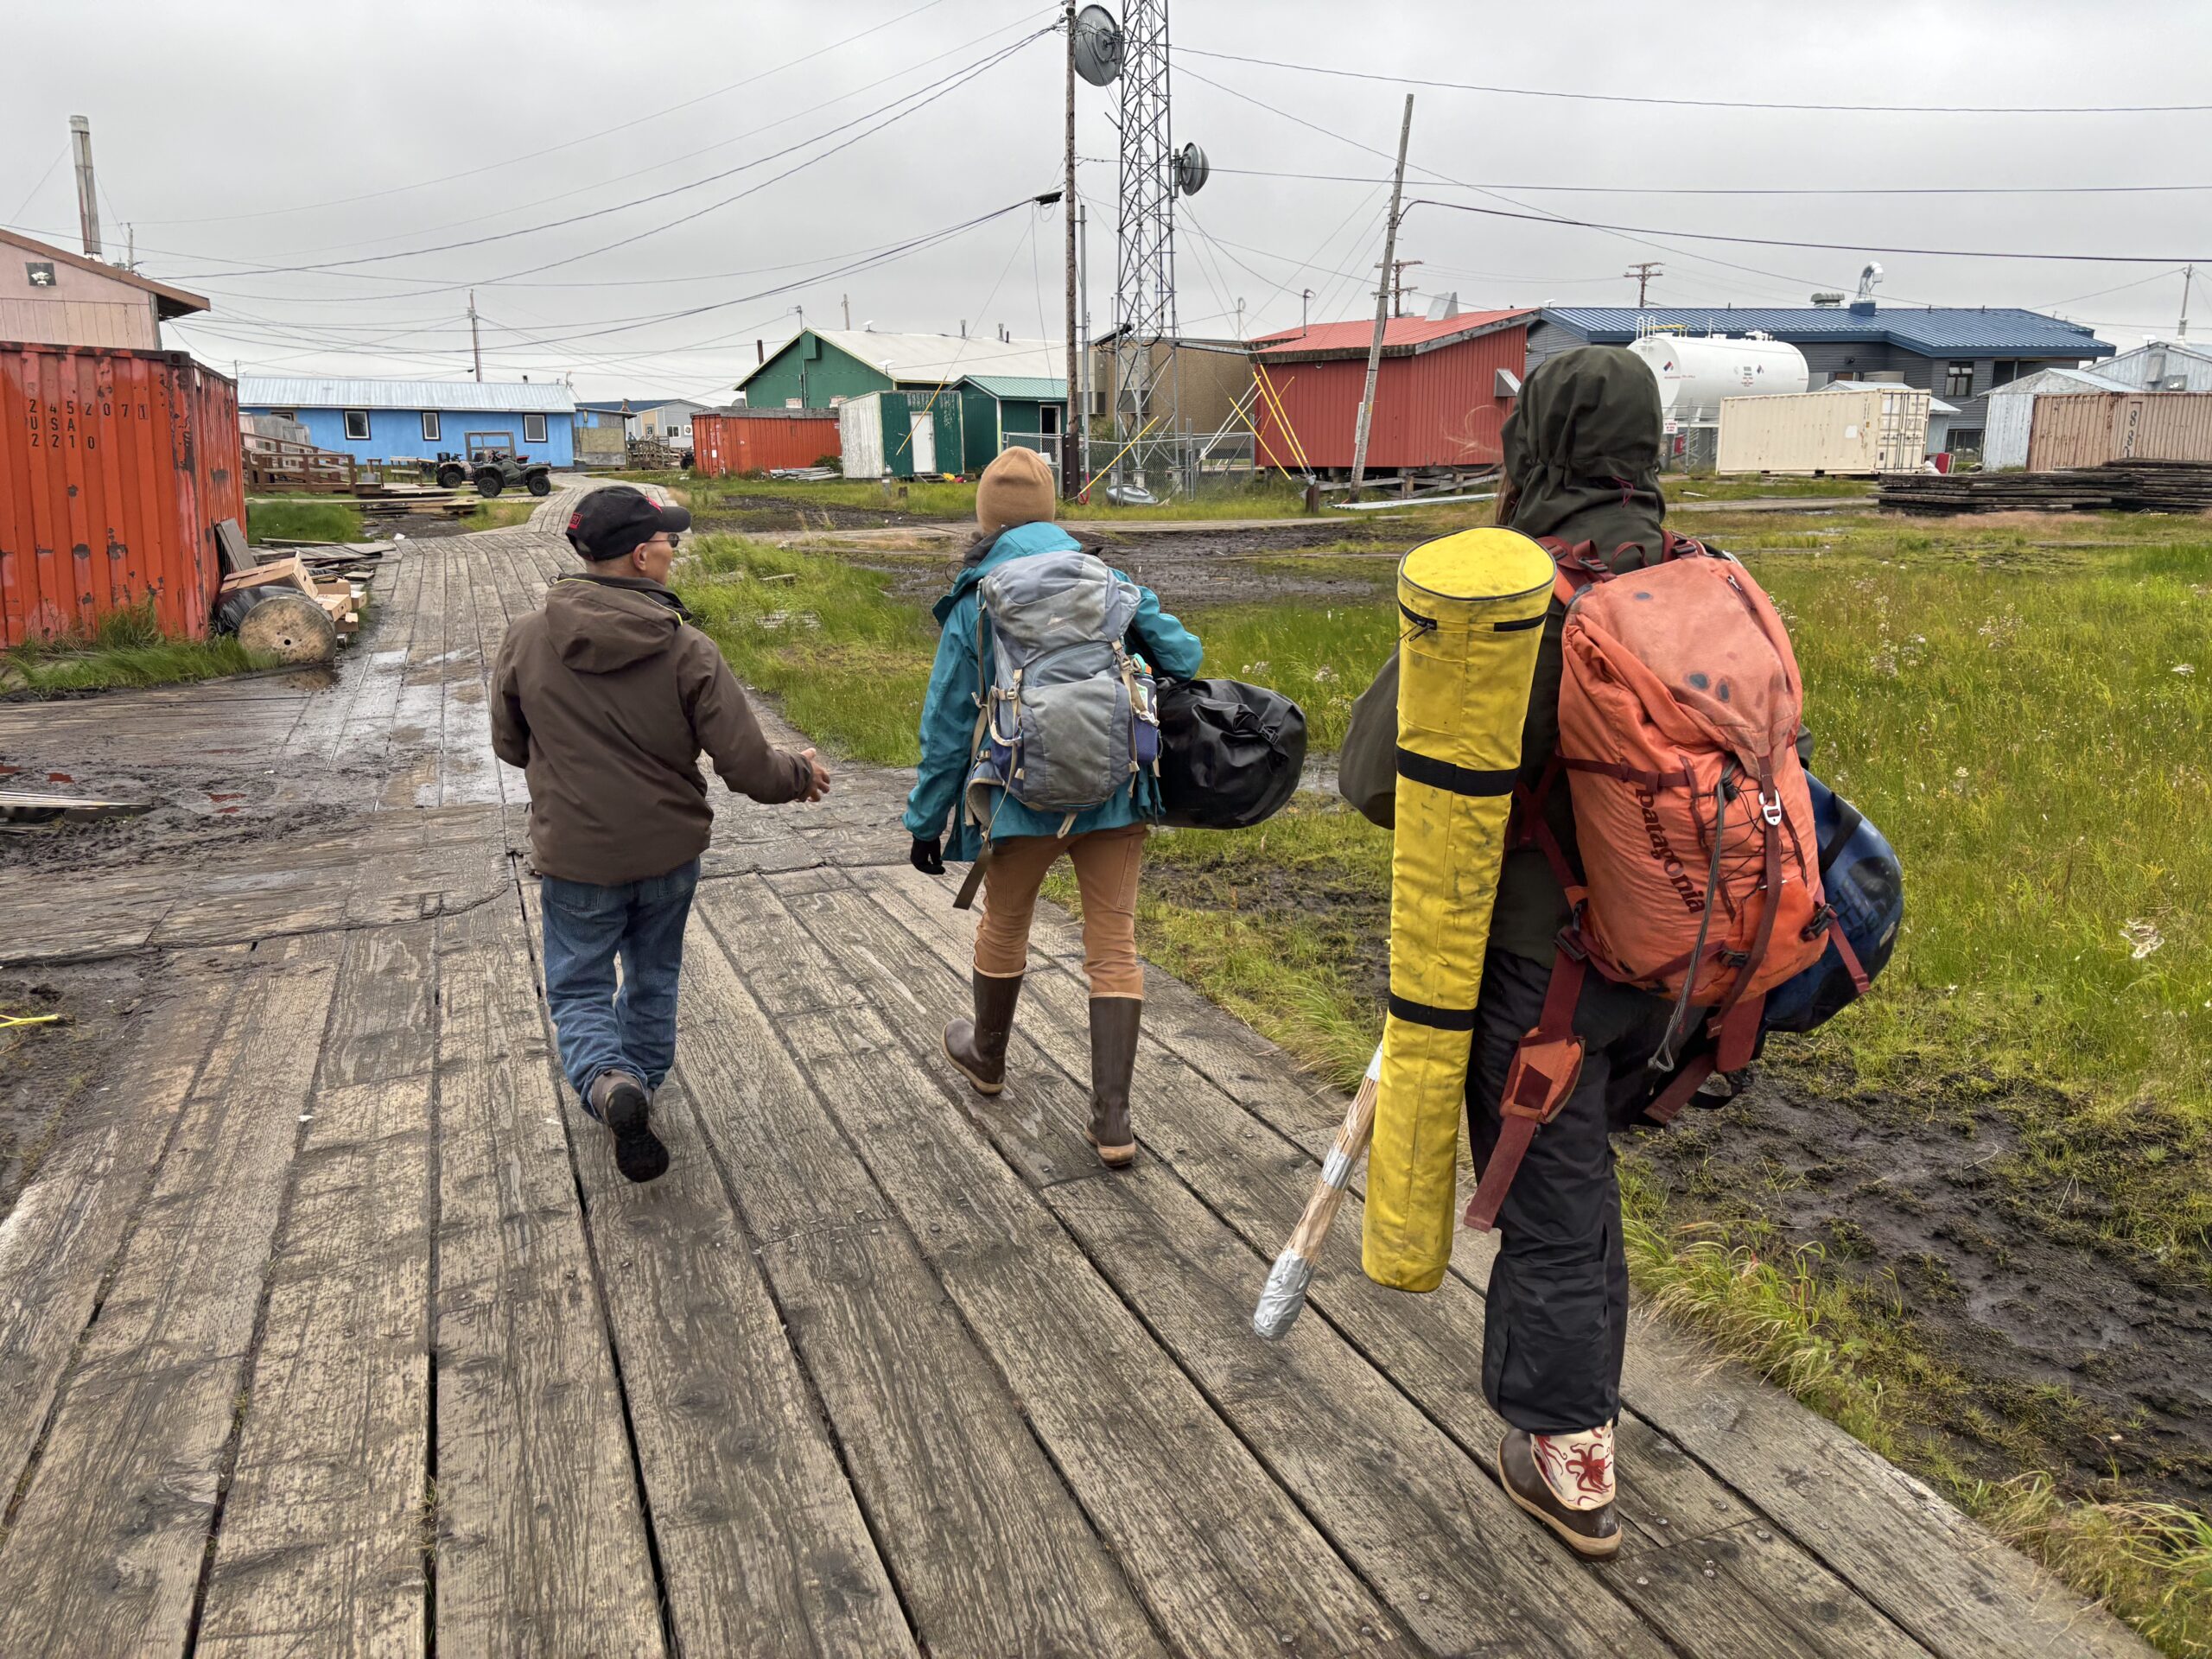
1961, 353
418, 420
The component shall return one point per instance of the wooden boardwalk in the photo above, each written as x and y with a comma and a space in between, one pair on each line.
339, 1333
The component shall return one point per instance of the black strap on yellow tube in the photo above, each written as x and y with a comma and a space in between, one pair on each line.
1474, 604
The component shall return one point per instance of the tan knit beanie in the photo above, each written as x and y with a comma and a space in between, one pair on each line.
1015, 489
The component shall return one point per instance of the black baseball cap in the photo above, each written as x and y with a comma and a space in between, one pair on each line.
614, 523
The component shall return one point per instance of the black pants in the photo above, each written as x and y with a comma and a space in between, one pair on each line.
1557, 1319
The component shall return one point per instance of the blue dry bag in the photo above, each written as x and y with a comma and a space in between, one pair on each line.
1864, 887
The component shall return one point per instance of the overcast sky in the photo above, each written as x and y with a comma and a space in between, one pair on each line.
238, 138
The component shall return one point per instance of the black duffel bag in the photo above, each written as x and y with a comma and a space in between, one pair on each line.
1231, 754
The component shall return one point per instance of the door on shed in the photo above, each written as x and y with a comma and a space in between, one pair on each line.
923, 430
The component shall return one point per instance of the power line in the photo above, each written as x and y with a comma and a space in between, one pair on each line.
901, 73
959, 79
566, 143
1445, 178
42, 178
1753, 190
1778, 242
1710, 103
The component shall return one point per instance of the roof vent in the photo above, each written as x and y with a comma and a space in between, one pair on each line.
1444, 306
1828, 301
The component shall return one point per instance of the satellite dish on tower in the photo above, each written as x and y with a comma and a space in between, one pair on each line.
1191, 170
1097, 46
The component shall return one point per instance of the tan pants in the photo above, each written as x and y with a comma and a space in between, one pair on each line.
1106, 864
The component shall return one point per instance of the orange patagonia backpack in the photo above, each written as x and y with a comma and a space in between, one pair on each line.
1679, 708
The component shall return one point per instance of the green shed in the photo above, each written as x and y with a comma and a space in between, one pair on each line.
1006, 409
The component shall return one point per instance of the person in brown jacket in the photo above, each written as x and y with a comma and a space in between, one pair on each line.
606, 698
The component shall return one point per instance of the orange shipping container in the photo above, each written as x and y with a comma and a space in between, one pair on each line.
115, 468
753, 441
2090, 429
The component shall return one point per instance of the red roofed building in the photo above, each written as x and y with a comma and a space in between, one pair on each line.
1442, 390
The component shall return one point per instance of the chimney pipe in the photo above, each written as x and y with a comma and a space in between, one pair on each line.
760, 350
88, 201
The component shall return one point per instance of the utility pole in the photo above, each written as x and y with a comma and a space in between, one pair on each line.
1643, 274
2188, 276
1398, 269
1240, 317
1382, 307
88, 201
1089, 368
1070, 478
475, 348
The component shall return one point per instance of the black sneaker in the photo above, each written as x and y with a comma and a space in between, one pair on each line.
620, 1101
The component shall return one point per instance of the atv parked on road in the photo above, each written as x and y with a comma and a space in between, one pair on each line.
493, 465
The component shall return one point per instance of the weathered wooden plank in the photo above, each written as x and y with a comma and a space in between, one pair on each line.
1429, 1346
1221, 1556
61, 1238
1953, 1585
541, 1542
324, 1536
1415, 1514
987, 1545
1045, 1145
1420, 1516
1925, 1565
762, 1545
105, 1551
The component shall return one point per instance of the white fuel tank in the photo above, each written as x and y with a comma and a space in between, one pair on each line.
1696, 371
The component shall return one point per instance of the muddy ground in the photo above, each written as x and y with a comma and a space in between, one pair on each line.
766, 515
2067, 1355
1188, 568
49, 1072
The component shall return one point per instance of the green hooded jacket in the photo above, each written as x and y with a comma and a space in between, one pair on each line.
1582, 450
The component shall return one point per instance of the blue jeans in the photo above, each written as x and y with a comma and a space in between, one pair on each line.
587, 927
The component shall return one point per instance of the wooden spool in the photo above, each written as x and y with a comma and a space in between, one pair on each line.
290, 627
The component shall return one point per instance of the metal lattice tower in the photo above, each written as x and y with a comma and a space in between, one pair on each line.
1145, 387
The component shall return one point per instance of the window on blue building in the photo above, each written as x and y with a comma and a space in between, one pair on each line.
533, 428
356, 426
429, 426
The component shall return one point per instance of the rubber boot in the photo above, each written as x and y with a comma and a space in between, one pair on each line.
1114, 1024
977, 1046
1583, 1519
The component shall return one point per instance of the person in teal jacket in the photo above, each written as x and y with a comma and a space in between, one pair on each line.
1015, 507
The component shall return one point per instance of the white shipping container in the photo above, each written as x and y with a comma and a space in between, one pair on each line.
1879, 429
860, 429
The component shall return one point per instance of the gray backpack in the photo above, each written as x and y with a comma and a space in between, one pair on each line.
1066, 716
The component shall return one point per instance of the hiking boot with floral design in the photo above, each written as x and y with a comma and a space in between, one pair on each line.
1566, 1482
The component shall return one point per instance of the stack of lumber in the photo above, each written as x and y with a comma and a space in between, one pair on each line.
2117, 486
355, 561
335, 595
399, 501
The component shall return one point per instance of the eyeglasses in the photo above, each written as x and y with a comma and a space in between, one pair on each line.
674, 539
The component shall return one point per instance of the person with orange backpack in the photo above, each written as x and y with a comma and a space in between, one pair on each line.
1661, 875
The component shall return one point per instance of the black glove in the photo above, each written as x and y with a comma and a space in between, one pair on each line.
928, 856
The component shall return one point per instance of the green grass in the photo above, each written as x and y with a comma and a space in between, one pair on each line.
501, 514
1709, 486
302, 518
127, 649
847, 662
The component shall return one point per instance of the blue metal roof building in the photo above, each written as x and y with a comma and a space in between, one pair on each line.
1958, 353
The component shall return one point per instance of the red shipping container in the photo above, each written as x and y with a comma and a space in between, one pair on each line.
115, 468
753, 441
1442, 390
